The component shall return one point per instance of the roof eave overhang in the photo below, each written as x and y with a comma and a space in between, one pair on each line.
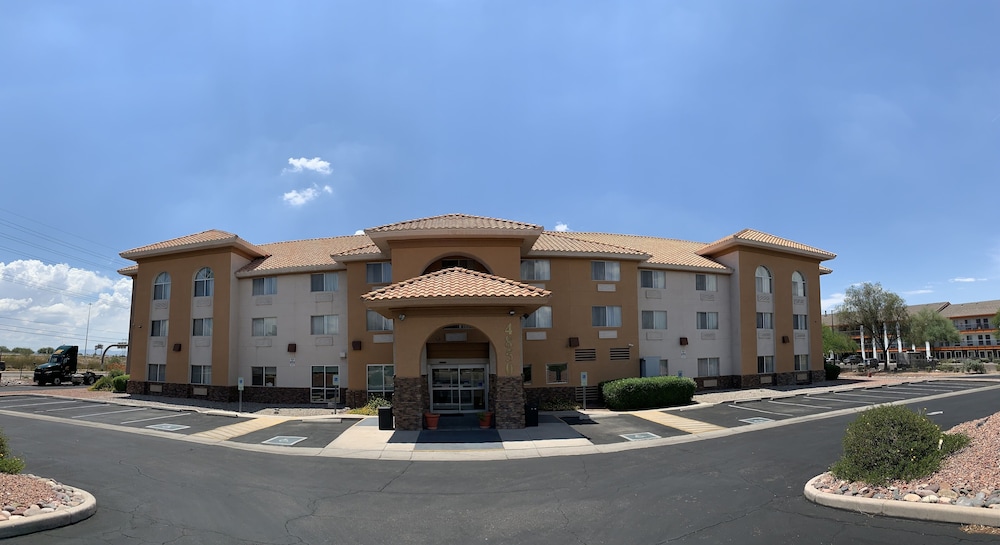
456, 301
291, 270
384, 239
588, 255
737, 244
232, 243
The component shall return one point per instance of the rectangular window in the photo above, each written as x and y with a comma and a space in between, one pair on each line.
202, 327
765, 364
526, 373
705, 282
265, 286
159, 328
541, 318
608, 271
324, 325
534, 270
654, 319
380, 380
325, 385
377, 322
802, 362
201, 374
765, 320
800, 321
323, 282
708, 320
606, 316
263, 376
708, 367
156, 372
653, 279
265, 327
556, 373
378, 273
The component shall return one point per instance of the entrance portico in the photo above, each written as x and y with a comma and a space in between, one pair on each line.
457, 344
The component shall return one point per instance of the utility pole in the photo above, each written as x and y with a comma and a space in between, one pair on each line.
86, 339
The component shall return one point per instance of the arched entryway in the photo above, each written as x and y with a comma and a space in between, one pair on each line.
458, 367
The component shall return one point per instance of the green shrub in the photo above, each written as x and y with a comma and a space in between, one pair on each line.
892, 442
8, 463
103, 383
119, 383
974, 366
371, 408
647, 393
832, 371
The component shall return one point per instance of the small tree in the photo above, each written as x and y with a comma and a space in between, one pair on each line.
929, 326
23, 351
880, 312
46, 350
837, 342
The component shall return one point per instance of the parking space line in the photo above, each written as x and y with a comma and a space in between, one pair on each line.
844, 400
799, 404
677, 422
757, 410
110, 412
154, 418
873, 396
79, 406
39, 403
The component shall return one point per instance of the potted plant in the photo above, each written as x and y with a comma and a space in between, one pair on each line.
485, 419
432, 420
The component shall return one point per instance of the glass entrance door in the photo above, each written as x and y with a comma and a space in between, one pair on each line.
458, 388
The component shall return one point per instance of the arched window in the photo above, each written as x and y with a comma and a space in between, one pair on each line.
798, 284
204, 283
763, 278
161, 287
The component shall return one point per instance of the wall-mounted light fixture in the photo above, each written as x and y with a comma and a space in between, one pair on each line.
177, 347
402, 317
684, 341
512, 312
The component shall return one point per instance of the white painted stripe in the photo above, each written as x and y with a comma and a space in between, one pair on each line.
846, 401
935, 412
75, 407
110, 412
38, 404
154, 418
758, 410
799, 404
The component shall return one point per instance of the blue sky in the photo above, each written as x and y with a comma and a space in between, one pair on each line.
868, 129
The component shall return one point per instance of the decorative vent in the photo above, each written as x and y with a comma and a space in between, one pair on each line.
622, 353
586, 354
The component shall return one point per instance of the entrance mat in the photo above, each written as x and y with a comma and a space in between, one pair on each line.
464, 439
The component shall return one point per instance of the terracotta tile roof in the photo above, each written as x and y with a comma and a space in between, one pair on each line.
936, 307
751, 237
971, 310
567, 243
365, 250
131, 270
456, 282
454, 221
302, 255
662, 251
212, 238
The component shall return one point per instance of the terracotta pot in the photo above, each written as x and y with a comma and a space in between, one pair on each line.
432, 420
485, 420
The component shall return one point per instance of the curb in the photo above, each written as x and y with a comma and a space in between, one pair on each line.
48, 521
903, 509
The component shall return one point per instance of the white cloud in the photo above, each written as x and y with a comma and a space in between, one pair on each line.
967, 279
918, 292
48, 305
560, 226
299, 197
832, 302
315, 164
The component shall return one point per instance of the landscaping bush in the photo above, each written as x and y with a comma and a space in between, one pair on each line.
647, 393
832, 371
371, 408
119, 383
974, 366
892, 442
8, 463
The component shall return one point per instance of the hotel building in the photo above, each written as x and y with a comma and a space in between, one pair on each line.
460, 313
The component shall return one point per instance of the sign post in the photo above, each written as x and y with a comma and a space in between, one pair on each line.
239, 386
583, 383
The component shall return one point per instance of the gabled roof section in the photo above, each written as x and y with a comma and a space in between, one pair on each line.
301, 256
669, 253
204, 240
971, 310
131, 270
935, 307
456, 285
758, 239
566, 245
361, 253
454, 225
